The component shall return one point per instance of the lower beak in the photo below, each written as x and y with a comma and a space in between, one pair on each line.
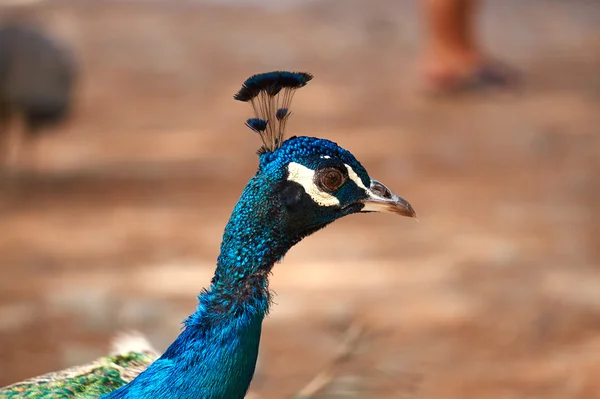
382, 199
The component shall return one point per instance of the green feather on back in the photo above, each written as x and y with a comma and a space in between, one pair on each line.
88, 381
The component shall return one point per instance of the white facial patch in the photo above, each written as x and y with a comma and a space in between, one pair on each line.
305, 177
369, 206
354, 177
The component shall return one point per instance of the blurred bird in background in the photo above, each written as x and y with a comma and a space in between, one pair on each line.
37, 80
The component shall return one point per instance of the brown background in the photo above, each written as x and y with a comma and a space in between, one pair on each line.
495, 293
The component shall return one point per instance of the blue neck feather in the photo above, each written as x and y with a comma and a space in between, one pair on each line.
215, 355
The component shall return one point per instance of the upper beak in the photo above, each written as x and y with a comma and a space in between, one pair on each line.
382, 199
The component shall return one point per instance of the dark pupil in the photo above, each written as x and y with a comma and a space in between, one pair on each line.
332, 180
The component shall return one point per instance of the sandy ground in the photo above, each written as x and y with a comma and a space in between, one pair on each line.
116, 220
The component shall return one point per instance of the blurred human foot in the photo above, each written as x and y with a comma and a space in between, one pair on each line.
467, 74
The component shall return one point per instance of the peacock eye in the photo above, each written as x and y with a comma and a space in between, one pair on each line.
330, 179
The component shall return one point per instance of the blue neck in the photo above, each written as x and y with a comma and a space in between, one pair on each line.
215, 355
255, 237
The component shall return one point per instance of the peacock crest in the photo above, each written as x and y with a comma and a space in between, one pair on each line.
270, 95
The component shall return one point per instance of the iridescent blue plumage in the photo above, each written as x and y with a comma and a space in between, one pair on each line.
215, 355
257, 124
302, 184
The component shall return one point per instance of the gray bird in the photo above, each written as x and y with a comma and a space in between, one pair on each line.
37, 79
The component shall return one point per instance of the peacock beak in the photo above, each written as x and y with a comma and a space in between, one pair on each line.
382, 199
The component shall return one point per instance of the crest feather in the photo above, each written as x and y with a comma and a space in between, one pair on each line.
270, 95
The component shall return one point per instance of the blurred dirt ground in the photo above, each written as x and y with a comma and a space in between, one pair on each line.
117, 218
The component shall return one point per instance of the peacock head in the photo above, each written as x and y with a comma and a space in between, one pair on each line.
312, 182
318, 181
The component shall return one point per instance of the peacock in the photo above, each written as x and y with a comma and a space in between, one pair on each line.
302, 185
37, 83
